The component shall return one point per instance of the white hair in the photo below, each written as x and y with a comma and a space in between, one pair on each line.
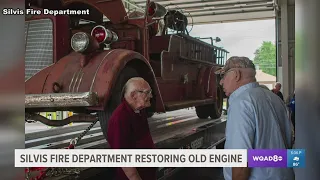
131, 86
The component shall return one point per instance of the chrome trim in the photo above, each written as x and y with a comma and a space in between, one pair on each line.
74, 75
95, 75
80, 81
170, 39
76, 80
83, 99
75, 84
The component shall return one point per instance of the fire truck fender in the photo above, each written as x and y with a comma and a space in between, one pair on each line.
210, 81
214, 90
111, 68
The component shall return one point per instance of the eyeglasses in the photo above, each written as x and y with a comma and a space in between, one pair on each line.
222, 75
147, 92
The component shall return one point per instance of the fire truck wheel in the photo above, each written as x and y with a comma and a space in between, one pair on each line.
115, 98
212, 110
221, 145
202, 112
216, 109
150, 114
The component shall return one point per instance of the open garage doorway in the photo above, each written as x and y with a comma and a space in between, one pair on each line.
253, 39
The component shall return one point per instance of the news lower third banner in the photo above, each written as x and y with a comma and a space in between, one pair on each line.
130, 158
159, 158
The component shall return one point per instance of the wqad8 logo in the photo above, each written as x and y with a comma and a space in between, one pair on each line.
296, 158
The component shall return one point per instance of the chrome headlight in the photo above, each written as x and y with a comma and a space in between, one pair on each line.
80, 42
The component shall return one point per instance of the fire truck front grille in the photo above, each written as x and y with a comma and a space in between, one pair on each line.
39, 46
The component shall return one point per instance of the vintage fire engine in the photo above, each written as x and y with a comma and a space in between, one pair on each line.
80, 63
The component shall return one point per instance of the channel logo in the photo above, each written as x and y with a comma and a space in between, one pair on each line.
296, 158
267, 158
292, 158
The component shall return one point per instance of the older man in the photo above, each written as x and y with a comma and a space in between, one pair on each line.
257, 119
128, 127
277, 91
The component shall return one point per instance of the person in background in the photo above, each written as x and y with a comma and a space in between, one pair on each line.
257, 119
128, 127
291, 106
277, 91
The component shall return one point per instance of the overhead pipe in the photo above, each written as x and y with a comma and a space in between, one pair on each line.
181, 3
231, 7
266, 16
221, 4
233, 12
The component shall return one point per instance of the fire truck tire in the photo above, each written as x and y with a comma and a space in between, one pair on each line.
212, 110
150, 114
202, 111
216, 110
115, 98
221, 145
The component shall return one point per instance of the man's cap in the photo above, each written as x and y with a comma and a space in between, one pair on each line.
236, 62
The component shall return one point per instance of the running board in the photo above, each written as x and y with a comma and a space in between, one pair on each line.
54, 100
175, 105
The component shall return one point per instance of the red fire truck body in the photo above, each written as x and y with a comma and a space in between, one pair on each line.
70, 68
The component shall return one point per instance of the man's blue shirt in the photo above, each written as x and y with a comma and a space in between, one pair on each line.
253, 117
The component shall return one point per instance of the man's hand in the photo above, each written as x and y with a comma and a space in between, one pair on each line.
240, 173
131, 173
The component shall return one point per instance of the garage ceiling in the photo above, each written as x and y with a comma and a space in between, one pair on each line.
215, 11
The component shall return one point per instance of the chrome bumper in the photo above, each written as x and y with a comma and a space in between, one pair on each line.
84, 99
